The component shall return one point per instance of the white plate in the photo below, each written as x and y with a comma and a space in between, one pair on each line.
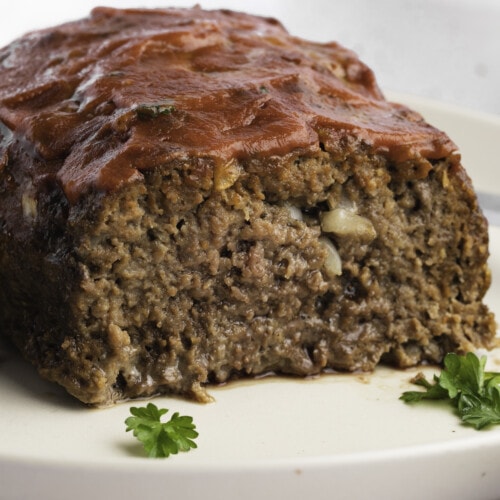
343, 436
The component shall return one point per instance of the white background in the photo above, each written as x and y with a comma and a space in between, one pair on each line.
447, 50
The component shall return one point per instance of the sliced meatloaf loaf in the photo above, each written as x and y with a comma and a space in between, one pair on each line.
190, 196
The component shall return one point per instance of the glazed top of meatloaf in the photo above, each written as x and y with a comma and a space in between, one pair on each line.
100, 100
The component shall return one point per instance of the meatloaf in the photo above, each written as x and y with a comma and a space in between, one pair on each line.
190, 196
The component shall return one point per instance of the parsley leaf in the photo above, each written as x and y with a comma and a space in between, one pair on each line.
161, 439
463, 382
154, 110
434, 391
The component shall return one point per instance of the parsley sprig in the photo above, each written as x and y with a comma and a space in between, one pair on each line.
161, 439
474, 392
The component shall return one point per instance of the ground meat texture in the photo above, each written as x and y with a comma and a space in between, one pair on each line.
203, 268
